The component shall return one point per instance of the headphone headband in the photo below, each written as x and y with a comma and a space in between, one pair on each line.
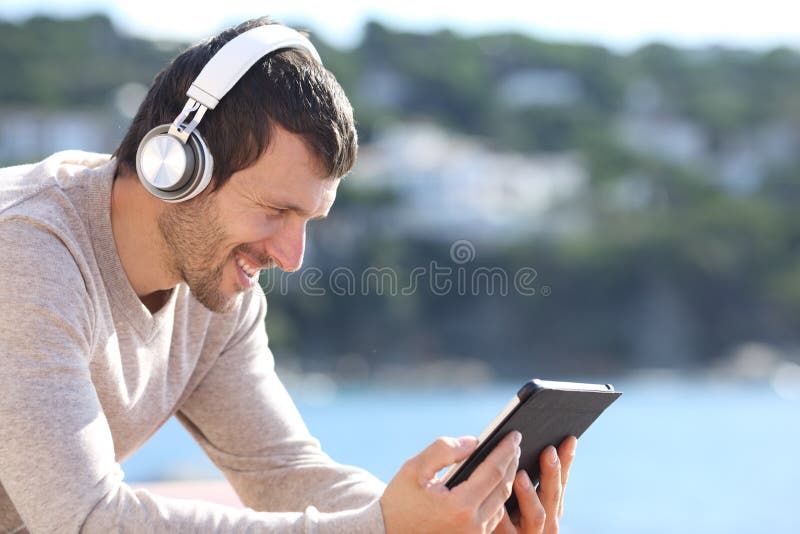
236, 57
173, 161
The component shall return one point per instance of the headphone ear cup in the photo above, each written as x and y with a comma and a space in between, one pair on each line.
170, 169
164, 164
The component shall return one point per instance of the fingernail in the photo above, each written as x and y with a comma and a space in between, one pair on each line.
517, 438
525, 480
518, 452
574, 446
466, 441
552, 454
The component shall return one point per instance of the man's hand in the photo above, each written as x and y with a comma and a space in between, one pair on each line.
540, 510
415, 501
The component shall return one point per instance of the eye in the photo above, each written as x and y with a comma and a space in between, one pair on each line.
272, 210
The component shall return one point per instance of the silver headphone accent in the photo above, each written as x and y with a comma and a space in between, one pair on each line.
173, 161
162, 160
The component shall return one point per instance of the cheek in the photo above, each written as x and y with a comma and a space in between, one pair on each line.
256, 228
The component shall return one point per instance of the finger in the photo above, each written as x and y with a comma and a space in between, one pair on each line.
491, 472
532, 515
497, 498
566, 452
550, 486
496, 519
439, 454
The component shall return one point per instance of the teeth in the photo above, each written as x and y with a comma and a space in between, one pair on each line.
246, 268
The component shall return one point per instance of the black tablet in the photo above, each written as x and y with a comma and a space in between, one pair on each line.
545, 413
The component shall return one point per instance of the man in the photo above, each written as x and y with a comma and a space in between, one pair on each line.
120, 310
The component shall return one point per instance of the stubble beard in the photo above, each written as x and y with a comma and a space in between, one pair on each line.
194, 238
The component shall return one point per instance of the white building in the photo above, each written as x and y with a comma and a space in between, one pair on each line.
454, 186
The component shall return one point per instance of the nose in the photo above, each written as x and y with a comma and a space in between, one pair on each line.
288, 245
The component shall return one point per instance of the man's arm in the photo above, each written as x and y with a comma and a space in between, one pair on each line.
246, 422
57, 460
248, 425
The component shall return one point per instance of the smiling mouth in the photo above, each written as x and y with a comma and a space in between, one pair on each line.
248, 269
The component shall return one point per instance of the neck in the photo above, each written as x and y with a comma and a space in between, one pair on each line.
141, 249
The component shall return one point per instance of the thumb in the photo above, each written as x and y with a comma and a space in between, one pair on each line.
442, 453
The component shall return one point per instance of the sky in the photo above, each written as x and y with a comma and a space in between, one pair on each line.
618, 24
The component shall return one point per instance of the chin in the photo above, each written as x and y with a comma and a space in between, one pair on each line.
224, 306
221, 293
230, 304
229, 301
218, 302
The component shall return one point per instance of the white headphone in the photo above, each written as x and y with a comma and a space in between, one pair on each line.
173, 161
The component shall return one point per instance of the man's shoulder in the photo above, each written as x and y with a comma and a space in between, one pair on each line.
24, 187
47, 197
43, 217
34, 246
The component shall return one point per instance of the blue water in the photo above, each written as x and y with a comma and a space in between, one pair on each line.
667, 457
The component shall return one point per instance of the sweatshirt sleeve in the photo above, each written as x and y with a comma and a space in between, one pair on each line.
57, 460
244, 419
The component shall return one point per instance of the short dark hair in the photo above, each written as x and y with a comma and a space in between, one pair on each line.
288, 87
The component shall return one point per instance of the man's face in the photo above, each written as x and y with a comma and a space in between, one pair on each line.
218, 242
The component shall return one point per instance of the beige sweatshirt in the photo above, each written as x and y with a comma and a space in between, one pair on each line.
87, 375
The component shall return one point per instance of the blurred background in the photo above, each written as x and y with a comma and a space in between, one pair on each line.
597, 193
